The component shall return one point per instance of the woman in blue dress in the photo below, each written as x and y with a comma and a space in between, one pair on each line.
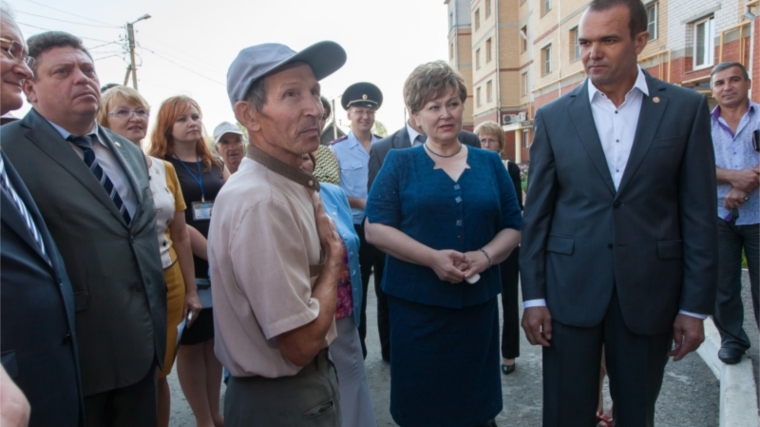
446, 214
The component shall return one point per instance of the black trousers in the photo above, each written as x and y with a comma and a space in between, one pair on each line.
635, 365
510, 332
130, 406
370, 257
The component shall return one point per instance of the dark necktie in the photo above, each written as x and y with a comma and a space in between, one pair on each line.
85, 143
35, 232
419, 140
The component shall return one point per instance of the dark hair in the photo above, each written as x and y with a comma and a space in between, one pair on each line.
326, 107
41, 43
726, 65
257, 94
638, 20
107, 86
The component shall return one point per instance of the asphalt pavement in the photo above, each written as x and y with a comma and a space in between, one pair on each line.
690, 394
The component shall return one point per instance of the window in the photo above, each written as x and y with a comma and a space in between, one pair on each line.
488, 50
477, 59
525, 135
652, 20
477, 96
524, 37
524, 83
489, 91
477, 19
547, 5
546, 60
488, 8
704, 43
575, 47
451, 20
451, 51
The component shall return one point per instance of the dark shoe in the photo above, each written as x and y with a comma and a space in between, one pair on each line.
508, 369
730, 356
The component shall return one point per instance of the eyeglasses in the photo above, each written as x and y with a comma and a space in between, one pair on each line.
141, 113
16, 51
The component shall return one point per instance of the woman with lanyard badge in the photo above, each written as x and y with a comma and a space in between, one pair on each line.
178, 139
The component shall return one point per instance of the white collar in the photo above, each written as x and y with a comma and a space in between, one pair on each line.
413, 134
640, 84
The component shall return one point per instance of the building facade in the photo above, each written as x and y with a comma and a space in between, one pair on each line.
524, 53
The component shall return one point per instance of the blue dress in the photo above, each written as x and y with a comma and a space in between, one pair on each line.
445, 353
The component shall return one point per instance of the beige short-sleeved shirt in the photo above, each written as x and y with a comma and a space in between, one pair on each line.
262, 240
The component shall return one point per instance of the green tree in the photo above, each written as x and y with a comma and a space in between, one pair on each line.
379, 129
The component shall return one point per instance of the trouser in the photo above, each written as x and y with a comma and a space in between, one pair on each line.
309, 398
346, 354
510, 332
134, 405
370, 257
729, 309
635, 366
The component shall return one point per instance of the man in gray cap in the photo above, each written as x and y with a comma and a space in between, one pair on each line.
229, 143
274, 254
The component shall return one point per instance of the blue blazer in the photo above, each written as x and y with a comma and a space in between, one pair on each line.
38, 341
336, 205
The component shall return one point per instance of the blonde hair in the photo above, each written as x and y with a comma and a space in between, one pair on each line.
493, 129
431, 81
114, 95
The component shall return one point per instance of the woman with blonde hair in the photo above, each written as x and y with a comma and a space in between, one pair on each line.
492, 138
126, 112
446, 214
178, 138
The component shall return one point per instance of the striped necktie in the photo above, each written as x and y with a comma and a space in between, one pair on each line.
85, 143
35, 232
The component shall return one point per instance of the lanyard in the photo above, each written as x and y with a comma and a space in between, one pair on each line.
199, 180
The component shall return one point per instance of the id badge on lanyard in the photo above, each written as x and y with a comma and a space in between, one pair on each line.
201, 210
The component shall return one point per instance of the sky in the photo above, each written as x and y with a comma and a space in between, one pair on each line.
186, 47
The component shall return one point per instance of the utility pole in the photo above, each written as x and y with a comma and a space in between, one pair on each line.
131, 40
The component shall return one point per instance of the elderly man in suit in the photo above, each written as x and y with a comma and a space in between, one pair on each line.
402, 138
91, 187
619, 240
37, 334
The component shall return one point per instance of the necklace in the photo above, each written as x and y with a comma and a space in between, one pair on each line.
441, 155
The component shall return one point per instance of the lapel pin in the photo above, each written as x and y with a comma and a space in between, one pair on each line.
656, 99
119, 145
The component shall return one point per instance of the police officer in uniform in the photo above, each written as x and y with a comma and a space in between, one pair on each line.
361, 101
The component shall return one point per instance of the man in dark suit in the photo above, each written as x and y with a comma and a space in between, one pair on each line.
619, 236
402, 138
91, 187
37, 334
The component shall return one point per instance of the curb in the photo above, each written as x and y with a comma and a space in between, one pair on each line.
738, 393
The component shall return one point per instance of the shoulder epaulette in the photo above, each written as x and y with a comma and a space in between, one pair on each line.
342, 138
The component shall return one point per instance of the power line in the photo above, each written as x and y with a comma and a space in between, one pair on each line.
192, 58
69, 22
109, 56
186, 68
33, 26
193, 63
72, 14
103, 45
48, 29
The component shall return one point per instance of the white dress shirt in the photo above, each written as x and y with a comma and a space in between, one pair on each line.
616, 126
110, 165
413, 134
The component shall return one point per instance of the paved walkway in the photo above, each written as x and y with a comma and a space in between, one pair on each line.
690, 393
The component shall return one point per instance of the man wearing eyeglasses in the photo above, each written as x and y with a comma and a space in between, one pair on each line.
736, 134
91, 187
361, 101
37, 334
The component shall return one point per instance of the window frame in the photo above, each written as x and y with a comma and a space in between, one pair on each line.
489, 91
654, 6
575, 46
546, 60
489, 46
488, 8
525, 83
478, 97
524, 40
477, 58
476, 18
709, 48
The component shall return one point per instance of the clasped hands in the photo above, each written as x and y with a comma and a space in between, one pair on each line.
453, 266
743, 182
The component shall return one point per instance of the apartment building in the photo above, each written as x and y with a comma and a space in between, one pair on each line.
524, 53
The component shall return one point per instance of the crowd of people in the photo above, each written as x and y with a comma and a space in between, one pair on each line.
255, 257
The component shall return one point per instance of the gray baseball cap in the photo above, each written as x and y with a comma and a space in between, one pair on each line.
255, 62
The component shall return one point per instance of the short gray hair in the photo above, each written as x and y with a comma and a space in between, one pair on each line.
726, 65
257, 94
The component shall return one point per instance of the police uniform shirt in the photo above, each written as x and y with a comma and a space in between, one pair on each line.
354, 169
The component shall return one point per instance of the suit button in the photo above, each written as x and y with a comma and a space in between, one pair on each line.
617, 204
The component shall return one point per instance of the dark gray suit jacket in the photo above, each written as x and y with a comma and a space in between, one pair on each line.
400, 139
115, 268
37, 334
654, 239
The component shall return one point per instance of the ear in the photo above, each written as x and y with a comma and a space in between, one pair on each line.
30, 92
247, 115
640, 41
